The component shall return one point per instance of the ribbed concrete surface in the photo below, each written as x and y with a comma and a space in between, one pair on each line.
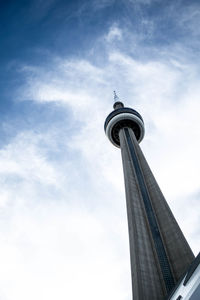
147, 276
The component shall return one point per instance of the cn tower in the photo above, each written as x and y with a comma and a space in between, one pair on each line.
159, 251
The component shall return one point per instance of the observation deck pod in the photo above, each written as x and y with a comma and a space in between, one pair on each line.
122, 117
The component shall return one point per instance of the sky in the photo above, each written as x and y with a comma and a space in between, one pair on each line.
63, 222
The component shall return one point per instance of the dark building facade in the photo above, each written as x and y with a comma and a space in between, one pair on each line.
159, 252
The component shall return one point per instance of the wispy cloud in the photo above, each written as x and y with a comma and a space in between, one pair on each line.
158, 88
63, 215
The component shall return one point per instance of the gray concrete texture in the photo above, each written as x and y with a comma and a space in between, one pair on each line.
146, 270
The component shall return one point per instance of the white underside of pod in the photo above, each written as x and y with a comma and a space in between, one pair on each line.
120, 117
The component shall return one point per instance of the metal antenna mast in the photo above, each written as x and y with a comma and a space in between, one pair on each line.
116, 98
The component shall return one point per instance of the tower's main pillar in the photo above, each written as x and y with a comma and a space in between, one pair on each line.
159, 251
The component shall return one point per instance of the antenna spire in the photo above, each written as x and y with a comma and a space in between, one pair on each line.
117, 102
116, 98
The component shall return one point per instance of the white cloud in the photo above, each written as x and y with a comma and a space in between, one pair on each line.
114, 33
66, 234
50, 239
158, 89
46, 256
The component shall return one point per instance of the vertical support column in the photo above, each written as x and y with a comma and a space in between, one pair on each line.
155, 232
159, 252
179, 253
147, 279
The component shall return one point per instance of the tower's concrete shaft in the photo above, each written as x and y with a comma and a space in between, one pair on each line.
159, 251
